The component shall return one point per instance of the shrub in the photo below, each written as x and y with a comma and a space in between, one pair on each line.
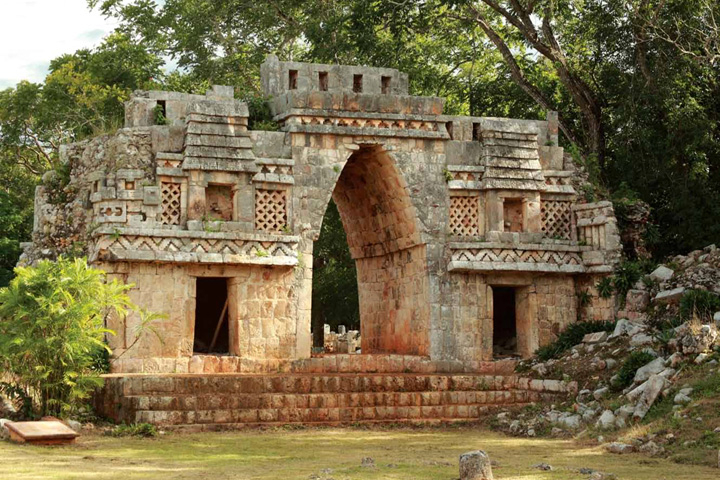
134, 430
627, 370
626, 274
260, 115
699, 302
571, 336
52, 319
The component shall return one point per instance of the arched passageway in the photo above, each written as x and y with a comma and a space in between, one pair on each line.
384, 240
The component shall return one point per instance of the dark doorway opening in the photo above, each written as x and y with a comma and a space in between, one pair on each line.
211, 316
504, 322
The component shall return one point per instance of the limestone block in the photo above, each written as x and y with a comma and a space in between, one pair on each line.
662, 274
475, 466
151, 195
670, 296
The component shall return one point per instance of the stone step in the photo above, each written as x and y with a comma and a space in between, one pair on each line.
184, 399
466, 412
188, 402
219, 384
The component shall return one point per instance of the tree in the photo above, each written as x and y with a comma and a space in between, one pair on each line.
52, 326
335, 292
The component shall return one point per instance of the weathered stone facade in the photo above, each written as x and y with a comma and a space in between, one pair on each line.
466, 232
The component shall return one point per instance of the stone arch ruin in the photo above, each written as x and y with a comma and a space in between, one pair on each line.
470, 238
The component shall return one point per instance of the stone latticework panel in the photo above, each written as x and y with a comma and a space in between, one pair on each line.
270, 210
557, 219
171, 203
464, 215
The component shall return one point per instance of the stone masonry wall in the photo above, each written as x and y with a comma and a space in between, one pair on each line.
262, 312
394, 307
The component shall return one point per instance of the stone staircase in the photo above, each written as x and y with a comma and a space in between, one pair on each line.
220, 401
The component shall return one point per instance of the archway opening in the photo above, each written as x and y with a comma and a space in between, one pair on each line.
383, 239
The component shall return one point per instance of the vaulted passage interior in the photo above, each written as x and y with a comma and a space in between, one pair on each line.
380, 224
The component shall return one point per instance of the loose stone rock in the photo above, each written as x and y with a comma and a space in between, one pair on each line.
606, 420
619, 448
475, 466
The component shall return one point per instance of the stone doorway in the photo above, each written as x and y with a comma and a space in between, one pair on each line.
383, 237
505, 340
514, 318
212, 329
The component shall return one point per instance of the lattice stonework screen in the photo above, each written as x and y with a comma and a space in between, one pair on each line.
270, 210
464, 216
170, 195
557, 219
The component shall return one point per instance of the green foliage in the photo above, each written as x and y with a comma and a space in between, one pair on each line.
335, 292
584, 298
261, 117
18, 396
708, 386
625, 276
447, 174
572, 336
700, 303
159, 114
16, 213
56, 183
52, 326
145, 430
605, 287
626, 373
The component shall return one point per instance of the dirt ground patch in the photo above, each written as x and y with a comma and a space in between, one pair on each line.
430, 453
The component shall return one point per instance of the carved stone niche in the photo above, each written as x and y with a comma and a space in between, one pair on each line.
219, 202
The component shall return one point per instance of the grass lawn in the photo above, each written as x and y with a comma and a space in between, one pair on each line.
415, 454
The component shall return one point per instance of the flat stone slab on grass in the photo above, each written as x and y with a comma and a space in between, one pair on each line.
51, 432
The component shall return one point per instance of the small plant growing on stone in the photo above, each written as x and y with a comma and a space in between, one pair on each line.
261, 253
626, 373
584, 298
336, 168
570, 337
286, 229
159, 115
605, 287
211, 224
699, 303
115, 233
448, 175
626, 274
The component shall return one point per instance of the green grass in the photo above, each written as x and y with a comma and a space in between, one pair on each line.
134, 430
417, 454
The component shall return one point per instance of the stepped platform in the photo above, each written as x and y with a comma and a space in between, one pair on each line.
228, 401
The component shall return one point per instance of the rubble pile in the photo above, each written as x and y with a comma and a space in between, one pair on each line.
622, 374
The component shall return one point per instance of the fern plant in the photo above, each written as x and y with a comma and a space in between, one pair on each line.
605, 287
52, 325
